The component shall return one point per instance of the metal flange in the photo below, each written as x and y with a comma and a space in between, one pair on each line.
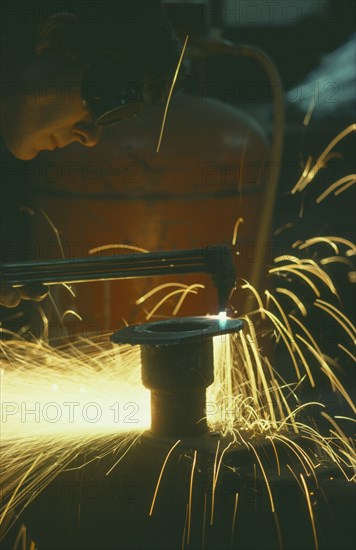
176, 331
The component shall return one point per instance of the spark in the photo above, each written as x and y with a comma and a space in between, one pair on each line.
350, 179
249, 368
255, 293
69, 288
286, 258
310, 172
310, 508
71, 312
288, 340
184, 293
265, 477
295, 411
191, 496
22, 536
294, 298
334, 380
185, 526
214, 480
307, 332
346, 418
276, 454
217, 466
170, 94
280, 309
161, 474
55, 231
348, 352
337, 428
254, 417
342, 189
188, 290
295, 476
341, 319
150, 293
295, 271
22, 480
334, 259
264, 381
89, 392
204, 521
234, 519
338, 312
280, 230
279, 395
113, 246
236, 228
309, 112
122, 456
309, 266
279, 532
255, 398
330, 240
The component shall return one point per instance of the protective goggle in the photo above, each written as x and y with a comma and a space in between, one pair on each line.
113, 91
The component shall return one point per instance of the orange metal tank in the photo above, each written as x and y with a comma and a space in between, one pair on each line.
210, 171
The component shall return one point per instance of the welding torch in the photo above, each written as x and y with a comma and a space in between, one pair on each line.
215, 260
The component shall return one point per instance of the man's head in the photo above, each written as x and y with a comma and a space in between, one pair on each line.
69, 73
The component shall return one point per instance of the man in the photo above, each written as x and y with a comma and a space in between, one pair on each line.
67, 74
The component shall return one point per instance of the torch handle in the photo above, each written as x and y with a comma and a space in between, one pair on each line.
215, 260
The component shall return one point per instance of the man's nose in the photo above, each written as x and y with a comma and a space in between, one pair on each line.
87, 133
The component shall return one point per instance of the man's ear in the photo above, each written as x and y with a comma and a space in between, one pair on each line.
55, 32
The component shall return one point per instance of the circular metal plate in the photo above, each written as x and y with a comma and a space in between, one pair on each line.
176, 331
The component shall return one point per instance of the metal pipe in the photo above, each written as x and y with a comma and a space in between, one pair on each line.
177, 366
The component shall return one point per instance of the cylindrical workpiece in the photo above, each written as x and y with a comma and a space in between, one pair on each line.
178, 376
178, 413
177, 359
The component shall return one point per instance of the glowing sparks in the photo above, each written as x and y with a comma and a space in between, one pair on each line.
236, 228
351, 179
339, 317
310, 171
256, 295
348, 352
70, 397
301, 267
79, 405
310, 508
93, 394
71, 312
233, 523
294, 298
170, 94
217, 466
189, 519
161, 474
309, 112
187, 290
265, 477
117, 246
18, 487
55, 231
331, 241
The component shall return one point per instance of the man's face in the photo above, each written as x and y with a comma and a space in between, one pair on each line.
43, 109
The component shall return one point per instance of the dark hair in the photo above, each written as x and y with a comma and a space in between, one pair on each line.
138, 29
